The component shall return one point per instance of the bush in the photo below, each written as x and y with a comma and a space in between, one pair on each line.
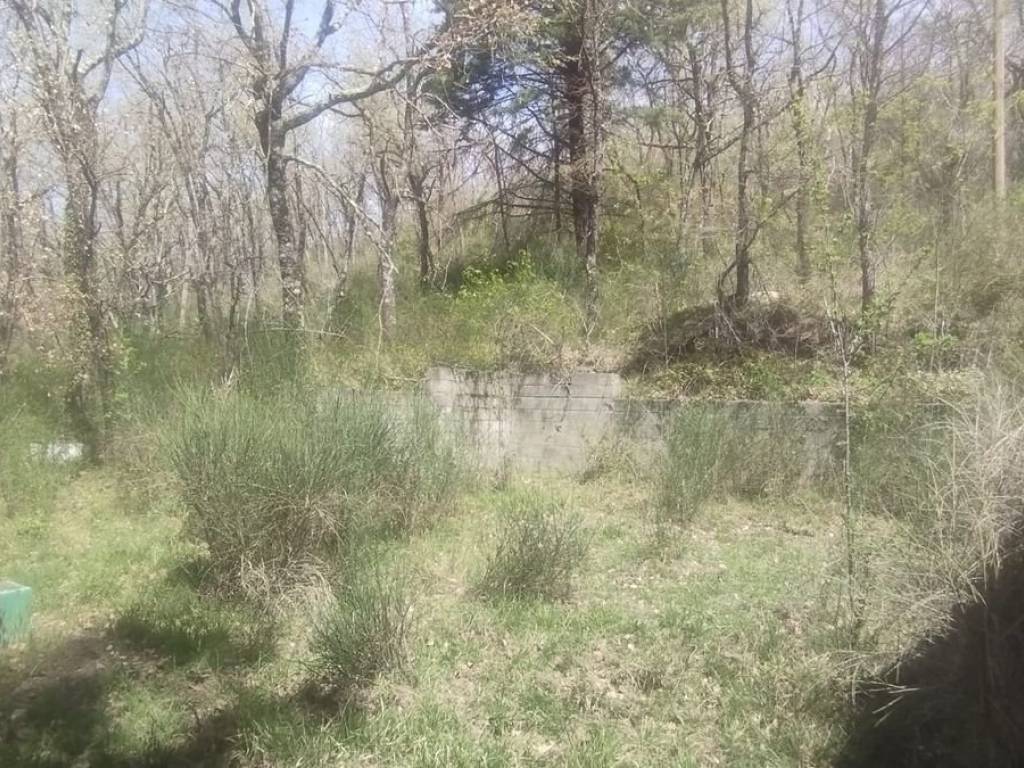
364, 630
541, 545
525, 322
273, 483
619, 457
714, 450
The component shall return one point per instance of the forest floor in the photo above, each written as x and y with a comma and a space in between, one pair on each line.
709, 645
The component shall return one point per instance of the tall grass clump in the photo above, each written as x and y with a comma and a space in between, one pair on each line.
363, 631
894, 451
276, 483
541, 544
712, 451
943, 683
690, 468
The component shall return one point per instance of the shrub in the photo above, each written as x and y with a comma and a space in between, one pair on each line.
272, 483
693, 457
364, 630
541, 545
714, 450
617, 456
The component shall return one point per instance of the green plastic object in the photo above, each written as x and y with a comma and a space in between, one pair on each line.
15, 611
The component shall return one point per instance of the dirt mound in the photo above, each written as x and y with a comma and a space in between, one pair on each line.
767, 324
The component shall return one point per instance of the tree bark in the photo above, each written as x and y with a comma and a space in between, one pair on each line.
801, 134
343, 269
386, 269
12, 242
88, 330
743, 84
871, 85
289, 253
417, 188
702, 150
582, 97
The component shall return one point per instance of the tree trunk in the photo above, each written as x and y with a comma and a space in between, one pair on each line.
743, 223
743, 85
12, 245
344, 268
389, 201
871, 83
802, 136
289, 251
201, 288
499, 179
386, 266
93, 368
702, 151
582, 97
556, 173
416, 186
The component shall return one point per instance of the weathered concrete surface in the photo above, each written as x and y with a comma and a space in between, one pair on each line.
543, 422
533, 421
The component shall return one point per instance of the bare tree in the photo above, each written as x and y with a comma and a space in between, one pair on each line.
275, 80
70, 84
802, 135
873, 39
185, 113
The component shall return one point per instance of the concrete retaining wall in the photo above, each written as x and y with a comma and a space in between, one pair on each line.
540, 422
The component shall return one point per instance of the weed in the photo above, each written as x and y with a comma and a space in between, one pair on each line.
541, 545
364, 630
273, 483
949, 578
29, 423
693, 456
712, 451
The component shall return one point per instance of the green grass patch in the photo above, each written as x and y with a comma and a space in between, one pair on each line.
541, 544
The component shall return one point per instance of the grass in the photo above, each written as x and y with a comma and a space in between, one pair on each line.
715, 450
719, 642
709, 652
275, 483
363, 630
540, 546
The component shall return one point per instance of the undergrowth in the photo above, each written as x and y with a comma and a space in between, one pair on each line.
274, 484
364, 628
717, 450
541, 544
